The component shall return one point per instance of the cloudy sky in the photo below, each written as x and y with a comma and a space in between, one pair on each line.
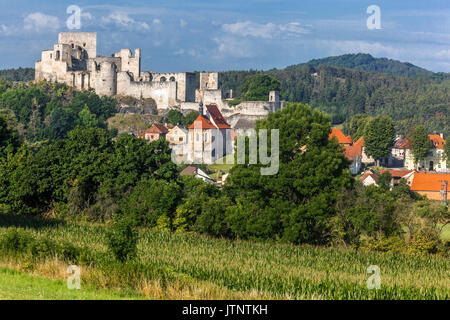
208, 35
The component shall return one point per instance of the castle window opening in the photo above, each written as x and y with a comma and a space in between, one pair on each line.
172, 78
58, 54
163, 79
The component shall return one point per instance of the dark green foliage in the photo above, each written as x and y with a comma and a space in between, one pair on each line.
150, 200
49, 111
78, 169
293, 205
122, 238
19, 242
190, 118
379, 137
384, 180
175, 117
420, 143
257, 87
343, 93
20, 74
9, 138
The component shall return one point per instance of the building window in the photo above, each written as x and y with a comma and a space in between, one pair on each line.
163, 79
171, 139
198, 137
180, 139
206, 137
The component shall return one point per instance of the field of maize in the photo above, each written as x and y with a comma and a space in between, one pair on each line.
183, 266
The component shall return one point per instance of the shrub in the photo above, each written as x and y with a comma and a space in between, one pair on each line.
424, 242
15, 240
122, 238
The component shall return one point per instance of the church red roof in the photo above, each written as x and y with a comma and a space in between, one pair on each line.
217, 117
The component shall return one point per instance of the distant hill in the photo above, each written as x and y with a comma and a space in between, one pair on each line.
344, 92
364, 61
20, 74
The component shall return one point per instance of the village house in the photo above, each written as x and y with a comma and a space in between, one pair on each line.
369, 178
353, 151
196, 172
177, 135
435, 161
432, 185
155, 132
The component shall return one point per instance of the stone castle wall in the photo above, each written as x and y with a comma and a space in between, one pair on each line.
74, 61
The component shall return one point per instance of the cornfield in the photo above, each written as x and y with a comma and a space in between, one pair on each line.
253, 269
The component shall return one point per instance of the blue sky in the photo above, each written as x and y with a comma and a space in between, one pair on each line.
210, 35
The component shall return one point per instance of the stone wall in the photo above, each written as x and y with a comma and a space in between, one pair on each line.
85, 40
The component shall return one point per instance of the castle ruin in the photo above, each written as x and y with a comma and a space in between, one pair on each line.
74, 61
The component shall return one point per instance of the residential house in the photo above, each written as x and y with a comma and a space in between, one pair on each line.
155, 132
353, 151
369, 178
178, 139
177, 135
432, 185
196, 172
398, 174
435, 161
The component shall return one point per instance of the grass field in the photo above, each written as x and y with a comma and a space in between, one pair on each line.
16, 285
179, 266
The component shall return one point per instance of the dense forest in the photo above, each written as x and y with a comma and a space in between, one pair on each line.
343, 93
20, 74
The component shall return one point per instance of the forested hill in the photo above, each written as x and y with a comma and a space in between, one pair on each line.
343, 93
363, 61
20, 74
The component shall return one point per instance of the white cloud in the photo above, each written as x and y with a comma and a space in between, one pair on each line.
183, 23
123, 20
266, 31
233, 47
38, 21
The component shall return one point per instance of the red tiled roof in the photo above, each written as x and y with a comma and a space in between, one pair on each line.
335, 132
423, 181
217, 117
359, 142
398, 173
437, 140
202, 123
353, 151
157, 128
369, 173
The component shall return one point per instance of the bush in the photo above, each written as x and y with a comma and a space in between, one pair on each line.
15, 240
122, 238
424, 242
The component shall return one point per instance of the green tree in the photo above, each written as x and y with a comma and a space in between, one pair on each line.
9, 138
384, 180
175, 117
420, 144
379, 137
122, 238
257, 87
295, 204
190, 118
87, 119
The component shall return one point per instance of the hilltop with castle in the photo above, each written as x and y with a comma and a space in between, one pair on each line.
74, 61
